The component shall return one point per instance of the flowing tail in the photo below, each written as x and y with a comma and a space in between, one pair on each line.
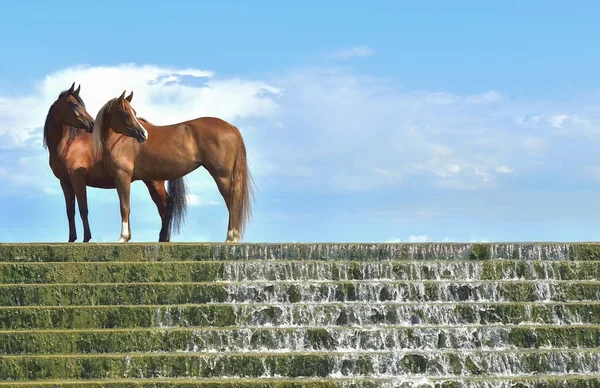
176, 204
241, 189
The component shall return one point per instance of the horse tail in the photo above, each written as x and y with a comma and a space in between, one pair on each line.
241, 189
176, 204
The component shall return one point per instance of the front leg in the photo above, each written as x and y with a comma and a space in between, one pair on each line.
78, 181
123, 183
70, 207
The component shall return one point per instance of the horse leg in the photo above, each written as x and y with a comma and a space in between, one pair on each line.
78, 182
224, 185
70, 204
123, 184
158, 193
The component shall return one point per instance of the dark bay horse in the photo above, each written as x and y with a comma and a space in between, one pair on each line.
135, 149
68, 138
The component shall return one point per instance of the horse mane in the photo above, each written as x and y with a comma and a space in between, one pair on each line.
48, 121
47, 124
143, 120
98, 124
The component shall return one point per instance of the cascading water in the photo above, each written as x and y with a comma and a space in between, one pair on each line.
369, 315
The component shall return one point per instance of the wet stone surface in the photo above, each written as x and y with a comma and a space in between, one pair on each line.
300, 315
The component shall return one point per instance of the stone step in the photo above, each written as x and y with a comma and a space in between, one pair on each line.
253, 270
300, 314
295, 292
104, 252
297, 339
296, 364
537, 381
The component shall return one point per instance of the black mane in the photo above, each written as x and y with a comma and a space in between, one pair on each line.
48, 117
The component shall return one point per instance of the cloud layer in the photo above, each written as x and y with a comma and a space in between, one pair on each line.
325, 140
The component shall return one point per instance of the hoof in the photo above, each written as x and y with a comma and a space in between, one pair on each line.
233, 236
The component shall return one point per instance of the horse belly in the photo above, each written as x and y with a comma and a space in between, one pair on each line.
98, 177
164, 171
160, 167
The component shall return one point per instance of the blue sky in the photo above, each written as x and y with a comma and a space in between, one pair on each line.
423, 121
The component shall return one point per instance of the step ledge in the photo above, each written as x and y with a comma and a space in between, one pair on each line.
193, 354
482, 303
271, 380
364, 328
301, 282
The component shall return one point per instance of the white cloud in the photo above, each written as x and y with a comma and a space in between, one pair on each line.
347, 131
317, 132
425, 238
330, 129
196, 200
504, 169
352, 52
558, 121
412, 238
419, 238
160, 95
350, 132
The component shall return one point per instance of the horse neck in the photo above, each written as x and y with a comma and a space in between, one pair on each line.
57, 131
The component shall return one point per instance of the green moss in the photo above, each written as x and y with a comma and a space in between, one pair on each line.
472, 366
465, 382
230, 315
455, 363
320, 339
119, 317
480, 252
128, 272
179, 282
294, 295
217, 251
586, 251
414, 363
112, 294
129, 252
355, 271
184, 293
555, 337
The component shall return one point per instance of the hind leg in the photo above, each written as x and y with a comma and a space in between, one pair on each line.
158, 193
224, 185
70, 205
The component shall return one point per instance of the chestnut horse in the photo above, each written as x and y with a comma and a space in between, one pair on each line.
135, 149
76, 165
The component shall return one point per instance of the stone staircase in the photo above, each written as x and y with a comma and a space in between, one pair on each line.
300, 315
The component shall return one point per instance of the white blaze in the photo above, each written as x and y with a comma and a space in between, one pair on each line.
141, 126
124, 232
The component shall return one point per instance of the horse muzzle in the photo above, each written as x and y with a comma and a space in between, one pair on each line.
140, 136
89, 127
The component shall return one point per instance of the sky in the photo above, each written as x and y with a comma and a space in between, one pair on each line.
391, 122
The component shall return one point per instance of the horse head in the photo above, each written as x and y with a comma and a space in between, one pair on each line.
123, 118
70, 109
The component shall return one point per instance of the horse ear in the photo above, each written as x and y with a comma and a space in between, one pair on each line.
128, 98
78, 89
122, 95
72, 88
